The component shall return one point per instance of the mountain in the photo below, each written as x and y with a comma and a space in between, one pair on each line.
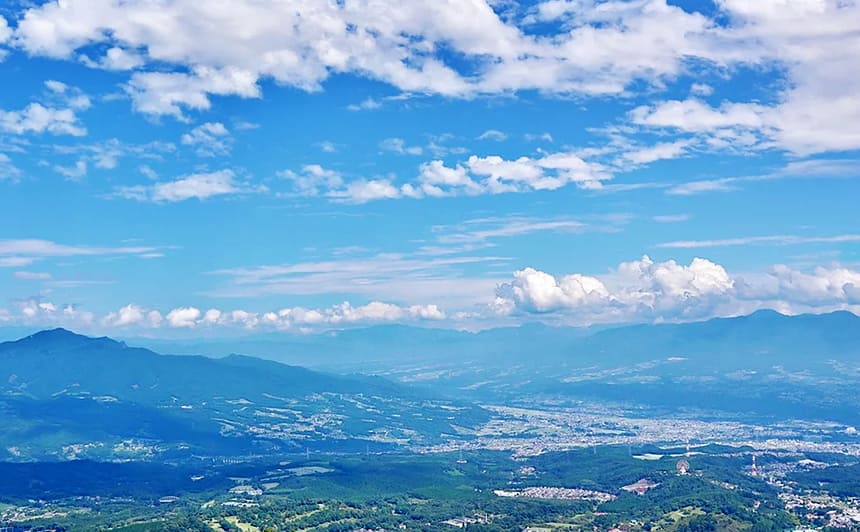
764, 338
384, 346
756, 341
63, 394
763, 364
57, 362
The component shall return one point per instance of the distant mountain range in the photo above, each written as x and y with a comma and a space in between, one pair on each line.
57, 362
64, 395
61, 392
770, 337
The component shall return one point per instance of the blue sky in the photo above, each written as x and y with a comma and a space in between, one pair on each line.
243, 166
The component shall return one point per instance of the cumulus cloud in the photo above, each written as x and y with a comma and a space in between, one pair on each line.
313, 179
337, 315
477, 175
816, 44
57, 116
36, 118
35, 311
127, 315
660, 151
115, 58
5, 31
399, 146
642, 290
645, 290
182, 53
230, 48
208, 139
193, 186
183, 317
541, 292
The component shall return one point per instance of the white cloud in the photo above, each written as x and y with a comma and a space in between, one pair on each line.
115, 58
183, 317
805, 169
478, 175
636, 289
127, 315
16, 262
396, 277
107, 154
823, 286
365, 190
328, 146
541, 292
484, 229
208, 139
670, 218
35, 311
645, 290
696, 116
816, 45
166, 93
32, 276
183, 53
36, 118
42, 313
367, 104
783, 240
73, 173
493, 134
700, 187
5, 31
701, 89
337, 315
313, 179
7, 169
399, 146
545, 137
600, 48
57, 117
23, 252
660, 151
148, 172
193, 186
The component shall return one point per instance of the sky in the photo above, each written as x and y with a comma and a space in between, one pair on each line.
213, 168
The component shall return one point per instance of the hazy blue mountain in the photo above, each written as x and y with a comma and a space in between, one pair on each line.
63, 394
383, 346
762, 339
59, 390
765, 338
57, 362
765, 363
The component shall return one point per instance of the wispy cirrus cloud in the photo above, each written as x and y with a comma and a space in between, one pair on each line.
776, 240
23, 252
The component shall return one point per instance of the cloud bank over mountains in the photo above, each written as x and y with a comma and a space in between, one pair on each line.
637, 291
